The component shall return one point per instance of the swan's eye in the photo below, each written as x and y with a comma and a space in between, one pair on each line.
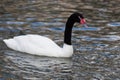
79, 17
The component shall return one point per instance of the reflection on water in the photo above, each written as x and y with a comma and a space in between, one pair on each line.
36, 66
97, 47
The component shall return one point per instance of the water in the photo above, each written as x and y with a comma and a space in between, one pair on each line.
96, 48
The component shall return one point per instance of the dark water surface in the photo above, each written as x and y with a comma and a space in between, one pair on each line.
96, 48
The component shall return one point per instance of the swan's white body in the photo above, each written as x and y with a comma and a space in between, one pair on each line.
38, 45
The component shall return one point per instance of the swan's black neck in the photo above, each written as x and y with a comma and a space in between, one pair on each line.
68, 29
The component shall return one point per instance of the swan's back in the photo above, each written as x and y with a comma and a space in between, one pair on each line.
35, 44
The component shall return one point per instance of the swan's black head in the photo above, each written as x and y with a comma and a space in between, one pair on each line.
77, 17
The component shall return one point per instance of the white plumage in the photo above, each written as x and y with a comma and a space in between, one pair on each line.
38, 45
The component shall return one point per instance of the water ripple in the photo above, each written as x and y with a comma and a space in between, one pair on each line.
15, 23
88, 29
39, 24
103, 38
114, 24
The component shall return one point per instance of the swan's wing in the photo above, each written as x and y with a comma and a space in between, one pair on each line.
34, 44
42, 42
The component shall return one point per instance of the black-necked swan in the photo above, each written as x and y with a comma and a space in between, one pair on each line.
43, 46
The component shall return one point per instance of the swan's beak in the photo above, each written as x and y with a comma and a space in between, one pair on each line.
83, 22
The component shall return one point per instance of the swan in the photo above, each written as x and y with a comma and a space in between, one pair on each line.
43, 46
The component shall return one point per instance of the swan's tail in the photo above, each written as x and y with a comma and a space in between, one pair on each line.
11, 43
